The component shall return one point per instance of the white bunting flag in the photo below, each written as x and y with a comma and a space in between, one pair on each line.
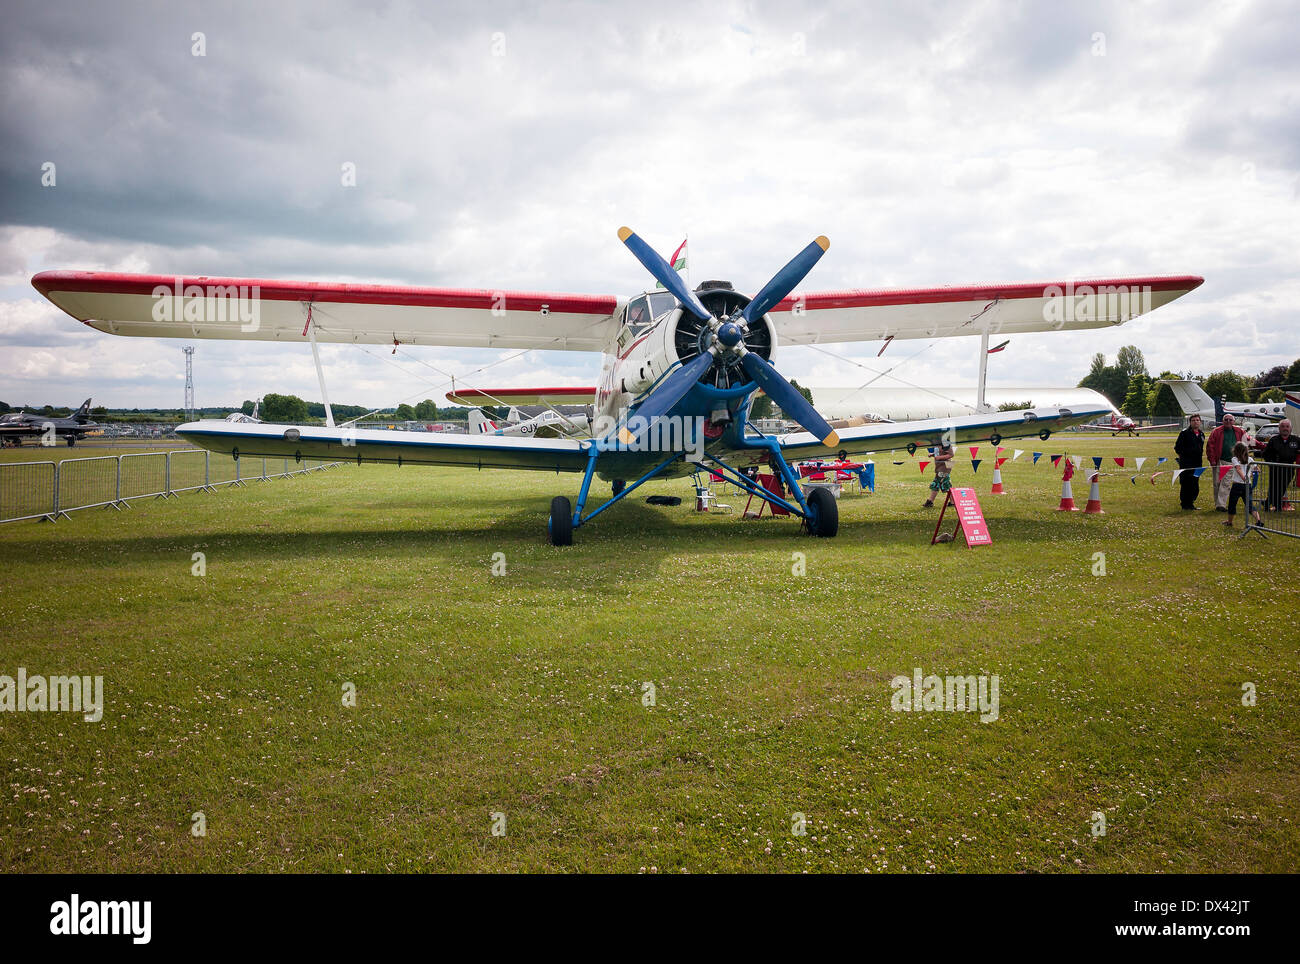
1140, 460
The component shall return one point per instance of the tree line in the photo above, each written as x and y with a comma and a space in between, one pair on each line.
1137, 394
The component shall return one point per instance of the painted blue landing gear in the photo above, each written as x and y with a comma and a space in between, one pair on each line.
823, 518
559, 527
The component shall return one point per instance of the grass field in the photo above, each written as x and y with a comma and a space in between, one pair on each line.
522, 694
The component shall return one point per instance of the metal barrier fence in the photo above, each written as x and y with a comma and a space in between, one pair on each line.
48, 490
1274, 492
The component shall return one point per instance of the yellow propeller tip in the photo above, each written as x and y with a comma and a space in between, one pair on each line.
624, 233
831, 440
823, 242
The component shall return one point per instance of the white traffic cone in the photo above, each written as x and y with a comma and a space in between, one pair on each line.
1094, 497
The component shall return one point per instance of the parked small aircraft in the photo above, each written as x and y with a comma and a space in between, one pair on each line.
1115, 424
680, 366
1194, 400
16, 426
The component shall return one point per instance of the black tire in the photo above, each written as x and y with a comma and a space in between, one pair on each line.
618, 485
559, 528
823, 514
71, 441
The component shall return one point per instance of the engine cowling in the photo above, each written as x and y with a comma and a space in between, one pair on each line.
689, 335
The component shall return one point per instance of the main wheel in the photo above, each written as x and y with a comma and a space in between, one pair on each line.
823, 514
559, 527
72, 440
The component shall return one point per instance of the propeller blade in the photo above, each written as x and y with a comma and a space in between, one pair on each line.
663, 273
671, 391
784, 281
789, 398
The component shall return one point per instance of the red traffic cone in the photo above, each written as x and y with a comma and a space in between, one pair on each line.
1067, 498
997, 482
1094, 496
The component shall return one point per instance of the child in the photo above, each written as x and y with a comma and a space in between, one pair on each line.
1239, 473
944, 453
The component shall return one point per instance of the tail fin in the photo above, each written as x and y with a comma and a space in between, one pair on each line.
480, 424
1192, 398
83, 414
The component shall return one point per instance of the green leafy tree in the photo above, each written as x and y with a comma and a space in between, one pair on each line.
426, 411
1270, 379
1130, 361
283, 408
1137, 402
1014, 406
404, 413
1293, 373
1226, 384
1110, 380
247, 407
761, 407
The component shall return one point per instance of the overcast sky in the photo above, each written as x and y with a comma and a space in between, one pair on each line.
502, 145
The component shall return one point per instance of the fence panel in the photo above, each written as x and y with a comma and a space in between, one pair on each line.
27, 490
85, 483
188, 470
144, 475
1275, 495
39, 490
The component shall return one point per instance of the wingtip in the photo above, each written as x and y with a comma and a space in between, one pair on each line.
624, 233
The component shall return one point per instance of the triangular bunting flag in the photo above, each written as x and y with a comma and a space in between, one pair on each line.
975, 464
1018, 453
1133, 479
1223, 470
1037, 456
1000, 461
1077, 460
1119, 462
1197, 472
1069, 471
923, 465
1139, 460
1056, 460
1162, 460
1096, 462
1177, 473
974, 451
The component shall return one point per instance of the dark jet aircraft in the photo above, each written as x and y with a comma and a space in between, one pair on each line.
16, 426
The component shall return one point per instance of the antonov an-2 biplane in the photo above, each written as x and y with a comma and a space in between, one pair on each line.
688, 359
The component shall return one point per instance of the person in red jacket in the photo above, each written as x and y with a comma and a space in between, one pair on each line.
1218, 452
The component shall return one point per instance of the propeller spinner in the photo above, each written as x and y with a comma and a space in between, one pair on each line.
726, 336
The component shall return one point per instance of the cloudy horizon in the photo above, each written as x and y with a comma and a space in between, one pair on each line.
501, 146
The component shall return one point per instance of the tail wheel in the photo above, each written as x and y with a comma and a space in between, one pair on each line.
618, 486
823, 514
559, 527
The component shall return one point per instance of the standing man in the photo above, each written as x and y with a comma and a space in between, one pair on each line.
1218, 451
944, 453
1188, 447
1284, 448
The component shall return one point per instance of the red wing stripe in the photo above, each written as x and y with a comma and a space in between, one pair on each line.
877, 297
311, 291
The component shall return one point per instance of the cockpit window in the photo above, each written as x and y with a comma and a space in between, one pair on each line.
661, 303
638, 313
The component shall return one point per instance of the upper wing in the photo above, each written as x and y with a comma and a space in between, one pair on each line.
568, 395
871, 315
248, 308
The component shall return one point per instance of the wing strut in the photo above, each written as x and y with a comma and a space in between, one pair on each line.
310, 332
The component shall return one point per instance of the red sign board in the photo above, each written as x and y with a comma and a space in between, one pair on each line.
970, 519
